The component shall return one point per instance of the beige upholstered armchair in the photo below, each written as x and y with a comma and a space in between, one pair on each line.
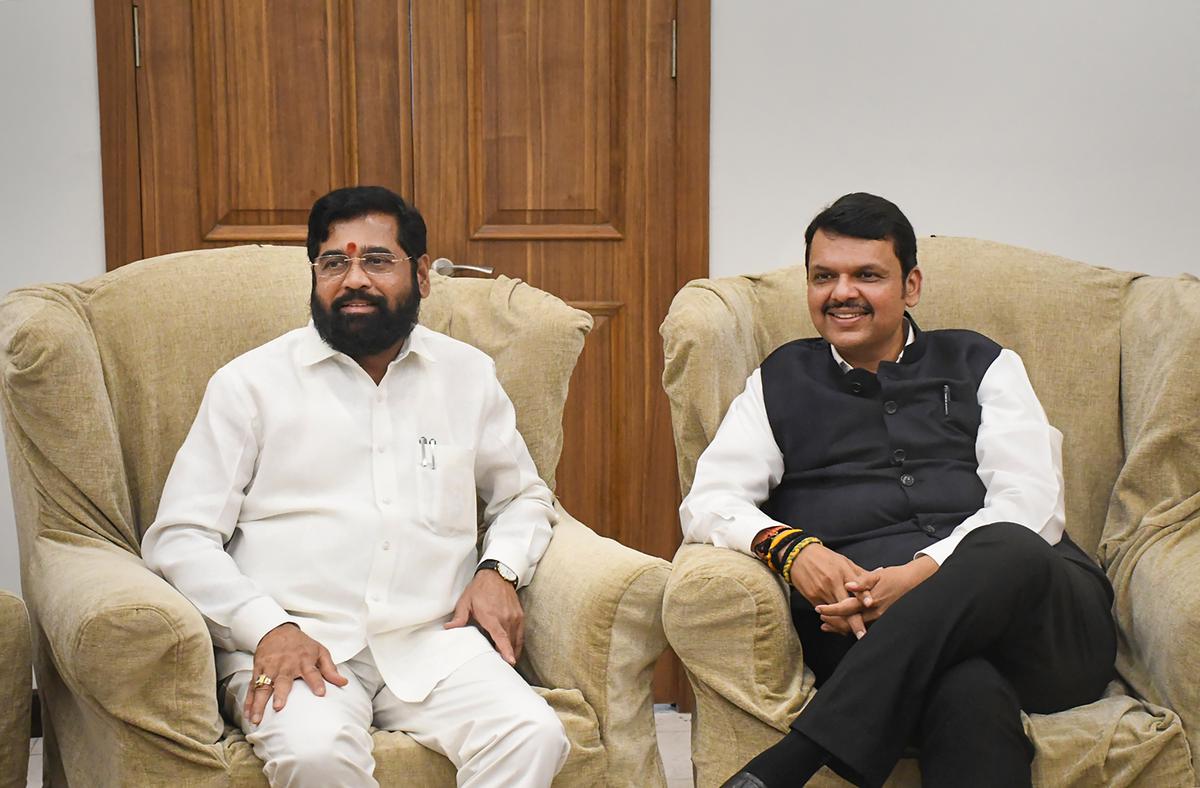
100, 384
1115, 359
16, 689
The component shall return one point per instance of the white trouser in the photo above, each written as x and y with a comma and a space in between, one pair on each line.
483, 717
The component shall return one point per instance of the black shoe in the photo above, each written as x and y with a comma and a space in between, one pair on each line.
743, 780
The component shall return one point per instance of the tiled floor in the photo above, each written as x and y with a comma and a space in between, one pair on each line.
34, 779
674, 742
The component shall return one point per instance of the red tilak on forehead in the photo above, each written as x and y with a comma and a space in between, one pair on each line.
351, 247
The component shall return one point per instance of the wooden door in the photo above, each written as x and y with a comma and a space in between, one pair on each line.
565, 143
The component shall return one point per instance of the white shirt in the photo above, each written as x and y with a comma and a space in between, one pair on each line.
302, 493
1019, 456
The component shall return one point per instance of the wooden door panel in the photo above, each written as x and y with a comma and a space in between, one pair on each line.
541, 95
250, 110
270, 72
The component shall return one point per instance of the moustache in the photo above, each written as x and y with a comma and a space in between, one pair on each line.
863, 305
356, 295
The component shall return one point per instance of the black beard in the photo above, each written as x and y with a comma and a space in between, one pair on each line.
359, 336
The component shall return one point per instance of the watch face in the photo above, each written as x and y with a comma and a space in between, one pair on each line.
506, 573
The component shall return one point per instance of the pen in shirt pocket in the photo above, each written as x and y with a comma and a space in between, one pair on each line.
946, 399
428, 453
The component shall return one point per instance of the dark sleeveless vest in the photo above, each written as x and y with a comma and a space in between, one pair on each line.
880, 465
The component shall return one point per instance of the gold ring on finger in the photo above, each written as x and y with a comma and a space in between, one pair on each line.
263, 680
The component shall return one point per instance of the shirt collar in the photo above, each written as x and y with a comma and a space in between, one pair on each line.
910, 336
313, 349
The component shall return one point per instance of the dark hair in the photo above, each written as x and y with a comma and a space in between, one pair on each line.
862, 215
357, 201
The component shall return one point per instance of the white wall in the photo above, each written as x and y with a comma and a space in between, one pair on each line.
1068, 126
51, 214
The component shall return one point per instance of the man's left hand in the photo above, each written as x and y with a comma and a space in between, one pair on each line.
874, 592
491, 602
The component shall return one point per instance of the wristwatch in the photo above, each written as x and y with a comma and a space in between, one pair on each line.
507, 574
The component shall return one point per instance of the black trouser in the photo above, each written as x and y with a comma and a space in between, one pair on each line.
1007, 623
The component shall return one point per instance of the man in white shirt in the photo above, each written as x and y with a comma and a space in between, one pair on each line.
321, 515
926, 458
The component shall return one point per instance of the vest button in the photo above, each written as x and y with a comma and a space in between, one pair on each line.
856, 388
890, 407
898, 457
907, 479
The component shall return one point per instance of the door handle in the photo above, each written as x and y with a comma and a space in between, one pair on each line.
447, 268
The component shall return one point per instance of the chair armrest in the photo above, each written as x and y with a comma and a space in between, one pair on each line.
594, 623
728, 619
1157, 610
123, 640
16, 689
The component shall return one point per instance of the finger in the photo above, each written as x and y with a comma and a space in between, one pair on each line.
462, 614
314, 680
835, 624
329, 670
519, 638
856, 624
864, 581
282, 690
258, 702
846, 607
501, 641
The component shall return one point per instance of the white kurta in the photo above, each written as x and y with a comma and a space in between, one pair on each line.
306, 493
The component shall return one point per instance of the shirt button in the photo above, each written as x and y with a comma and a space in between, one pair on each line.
386, 546
907, 479
890, 407
386, 501
374, 597
380, 449
898, 457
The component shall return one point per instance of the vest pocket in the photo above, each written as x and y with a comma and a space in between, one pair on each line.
446, 490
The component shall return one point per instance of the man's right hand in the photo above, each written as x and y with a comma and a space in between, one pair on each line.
286, 654
820, 575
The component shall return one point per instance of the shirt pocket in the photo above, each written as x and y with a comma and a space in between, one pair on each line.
446, 489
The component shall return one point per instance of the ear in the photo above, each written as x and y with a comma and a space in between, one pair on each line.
912, 287
423, 276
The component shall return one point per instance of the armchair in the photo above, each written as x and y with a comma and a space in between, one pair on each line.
1113, 358
101, 381
16, 690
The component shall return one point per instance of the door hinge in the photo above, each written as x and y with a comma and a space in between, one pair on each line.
137, 39
674, 46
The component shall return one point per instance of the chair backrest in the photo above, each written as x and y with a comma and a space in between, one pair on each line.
102, 379
1062, 317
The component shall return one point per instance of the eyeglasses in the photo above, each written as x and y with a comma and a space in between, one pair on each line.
375, 264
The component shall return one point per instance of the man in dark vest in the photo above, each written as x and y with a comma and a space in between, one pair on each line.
908, 487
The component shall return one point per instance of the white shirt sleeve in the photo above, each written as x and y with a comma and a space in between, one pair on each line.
518, 506
1020, 459
734, 476
198, 513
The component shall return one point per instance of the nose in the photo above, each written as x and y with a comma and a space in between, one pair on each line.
844, 289
356, 278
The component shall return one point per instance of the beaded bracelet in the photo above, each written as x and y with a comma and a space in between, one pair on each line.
791, 559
